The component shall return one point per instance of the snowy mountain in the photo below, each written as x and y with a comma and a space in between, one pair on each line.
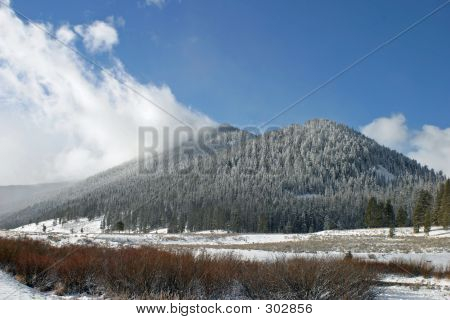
301, 178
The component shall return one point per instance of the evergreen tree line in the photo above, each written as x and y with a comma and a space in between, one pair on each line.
428, 211
432, 210
382, 214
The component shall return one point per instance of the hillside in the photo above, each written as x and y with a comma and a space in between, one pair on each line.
17, 197
302, 178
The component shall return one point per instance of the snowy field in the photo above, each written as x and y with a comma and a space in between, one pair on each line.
67, 228
364, 243
371, 244
416, 288
11, 289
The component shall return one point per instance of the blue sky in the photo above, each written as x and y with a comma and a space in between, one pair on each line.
242, 61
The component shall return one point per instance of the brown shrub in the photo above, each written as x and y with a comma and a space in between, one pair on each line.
406, 268
150, 273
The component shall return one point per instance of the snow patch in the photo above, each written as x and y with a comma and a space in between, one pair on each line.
92, 226
414, 288
11, 289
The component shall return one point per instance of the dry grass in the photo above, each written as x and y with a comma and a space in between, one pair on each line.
150, 273
316, 243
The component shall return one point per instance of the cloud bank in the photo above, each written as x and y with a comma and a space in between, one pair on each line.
59, 118
430, 145
391, 132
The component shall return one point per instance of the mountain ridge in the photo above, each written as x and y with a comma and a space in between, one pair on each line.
252, 183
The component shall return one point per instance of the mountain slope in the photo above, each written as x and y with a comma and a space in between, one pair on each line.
297, 179
17, 197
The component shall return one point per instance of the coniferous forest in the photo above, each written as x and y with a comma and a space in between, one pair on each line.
303, 178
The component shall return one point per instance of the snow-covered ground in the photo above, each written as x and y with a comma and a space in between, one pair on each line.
399, 232
435, 259
92, 232
416, 288
371, 244
364, 243
11, 289
396, 288
74, 226
93, 226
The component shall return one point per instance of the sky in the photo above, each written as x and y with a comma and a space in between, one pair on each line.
209, 62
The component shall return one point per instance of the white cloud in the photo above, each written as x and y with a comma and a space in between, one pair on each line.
59, 119
391, 132
430, 145
98, 36
157, 3
65, 34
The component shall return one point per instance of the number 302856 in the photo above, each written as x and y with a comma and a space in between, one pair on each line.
288, 308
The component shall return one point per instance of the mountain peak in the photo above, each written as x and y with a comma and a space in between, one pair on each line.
225, 127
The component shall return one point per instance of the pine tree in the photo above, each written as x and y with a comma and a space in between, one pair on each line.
378, 218
427, 222
120, 226
102, 224
445, 220
370, 213
423, 204
436, 218
182, 223
391, 231
402, 217
327, 224
445, 206
263, 226
235, 220
173, 224
388, 214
